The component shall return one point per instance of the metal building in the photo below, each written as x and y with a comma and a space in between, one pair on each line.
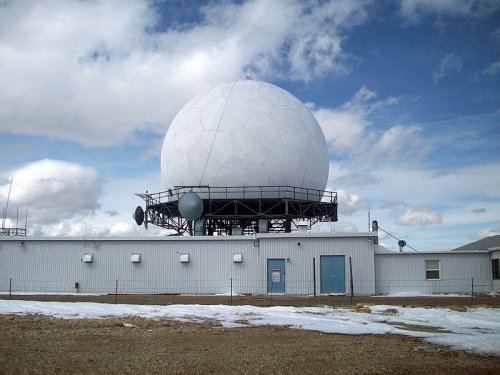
297, 263
265, 263
434, 272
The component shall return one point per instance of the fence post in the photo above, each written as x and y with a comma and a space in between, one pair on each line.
10, 288
231, 291
314, 276
350, 273
116, 290
472, 291
154, 292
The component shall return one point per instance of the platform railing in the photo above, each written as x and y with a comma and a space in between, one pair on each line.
242, 192
12, 231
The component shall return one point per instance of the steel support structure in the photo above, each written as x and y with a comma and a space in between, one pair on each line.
240, 210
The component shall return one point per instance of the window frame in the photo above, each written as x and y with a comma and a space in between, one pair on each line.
495, 269
432, 270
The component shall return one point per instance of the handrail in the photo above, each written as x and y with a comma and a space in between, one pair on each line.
12, 231
234, 192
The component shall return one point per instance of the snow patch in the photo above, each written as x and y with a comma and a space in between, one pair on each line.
475, 330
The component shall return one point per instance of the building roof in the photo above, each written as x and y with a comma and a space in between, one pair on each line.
488, 243
381, 250
294, 234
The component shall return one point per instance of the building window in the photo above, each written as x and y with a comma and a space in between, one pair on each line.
495, 267
432, 269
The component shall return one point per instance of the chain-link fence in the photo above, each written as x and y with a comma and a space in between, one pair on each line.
234, 286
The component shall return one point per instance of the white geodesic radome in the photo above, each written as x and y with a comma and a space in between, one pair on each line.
245, 133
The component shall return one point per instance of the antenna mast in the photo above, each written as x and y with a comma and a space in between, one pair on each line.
7, 205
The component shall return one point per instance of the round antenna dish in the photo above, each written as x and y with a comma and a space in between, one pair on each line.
138, 215
401, 243
190, 206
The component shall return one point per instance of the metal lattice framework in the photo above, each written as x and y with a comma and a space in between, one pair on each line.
12, 231
239, 210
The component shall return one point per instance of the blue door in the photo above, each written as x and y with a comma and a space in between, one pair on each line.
276, 276
332, 268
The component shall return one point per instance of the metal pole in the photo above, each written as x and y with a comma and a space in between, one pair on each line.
231, 291
350, 273
10, 288
154, 292
116, 290
7, 204
472, 291
314, 276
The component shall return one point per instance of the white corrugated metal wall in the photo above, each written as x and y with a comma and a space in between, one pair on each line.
405, 272
299, 267
55, 265
495, 283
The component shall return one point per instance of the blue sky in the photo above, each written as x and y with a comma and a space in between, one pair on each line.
407, 93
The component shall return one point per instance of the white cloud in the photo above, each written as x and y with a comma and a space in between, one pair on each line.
420, 186
98, 66
489, 232
419, 216
454, 196
492, 70
52, 190
413, 10
66, 229
349, 203
349, 132
346, 129
450, 63
86, 228
124, 230
398, 138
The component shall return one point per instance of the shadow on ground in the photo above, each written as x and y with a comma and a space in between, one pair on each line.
266, 300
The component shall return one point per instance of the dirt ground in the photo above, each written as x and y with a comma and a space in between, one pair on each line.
267, 300
38, 344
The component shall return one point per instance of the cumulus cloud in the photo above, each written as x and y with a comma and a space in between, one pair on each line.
66, 229
489, 232
413, 10
346, 127
419, 216
350, 202
124, 230
112, 68
398, 138
349, 132
52, 190
450, 63
82, 228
